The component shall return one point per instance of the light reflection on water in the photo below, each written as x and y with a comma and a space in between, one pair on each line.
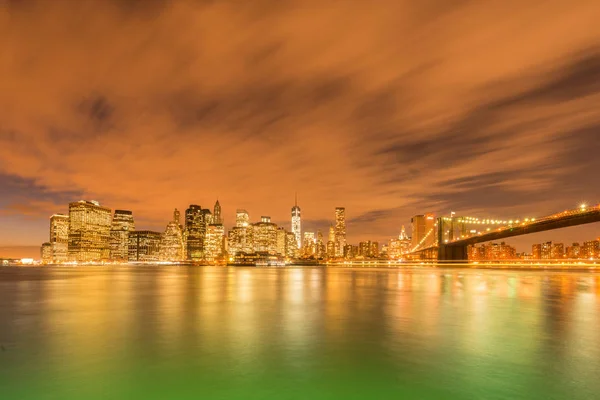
298, 333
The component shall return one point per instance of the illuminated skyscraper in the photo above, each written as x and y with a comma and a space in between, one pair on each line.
217, 218
214, 242
423, 231
320, 248
144, 246
308, 244
281, 234
241, 240
171, 242
265, 236
291, 245
242, 218
122, 224
194, 229
46, 253
59, 238
89, 231
297, 223
331, 243
340, 231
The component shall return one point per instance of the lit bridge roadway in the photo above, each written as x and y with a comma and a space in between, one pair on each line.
456, 250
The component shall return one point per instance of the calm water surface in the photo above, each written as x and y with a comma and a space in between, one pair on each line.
298, 333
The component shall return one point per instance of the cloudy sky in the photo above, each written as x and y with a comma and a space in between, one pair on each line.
387, 107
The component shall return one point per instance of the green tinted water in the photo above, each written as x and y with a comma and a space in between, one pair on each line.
298, 333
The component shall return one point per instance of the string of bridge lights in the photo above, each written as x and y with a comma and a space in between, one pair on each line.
487, 221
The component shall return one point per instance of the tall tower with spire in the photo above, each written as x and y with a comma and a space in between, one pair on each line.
296, 222
217, 219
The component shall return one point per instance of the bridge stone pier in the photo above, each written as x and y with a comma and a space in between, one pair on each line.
456, 253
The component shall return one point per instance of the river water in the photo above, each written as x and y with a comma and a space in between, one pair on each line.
298, 333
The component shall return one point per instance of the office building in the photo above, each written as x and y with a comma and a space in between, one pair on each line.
144, 246
242, 219
59, 238
265, 236
281, 241
423, 231
217, 217
122, 224
291, 245
171, 243
308, 244
340, 231
46, 253
297, 224
214, 242
194, 232
89, 231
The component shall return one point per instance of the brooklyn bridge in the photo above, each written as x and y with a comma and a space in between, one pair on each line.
450, 236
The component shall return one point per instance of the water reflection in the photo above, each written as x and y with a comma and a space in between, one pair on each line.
430, 331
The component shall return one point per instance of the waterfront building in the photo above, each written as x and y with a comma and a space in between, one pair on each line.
281, 241
491, 252
89, 231
242, 219
265, 236
591, 249
536, 251
330, 247
214, 242
291, 245
297, 223
423, 231
46, 253
171, 243
122, 224
573, 251
144, 246
364, 249
59, 238
194, 227
308, 244
557, 251
320, 249
241, 240
374, 250
394, 251
340, 231
546, 250
217, 218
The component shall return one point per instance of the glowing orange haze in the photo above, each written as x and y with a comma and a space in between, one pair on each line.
389, 108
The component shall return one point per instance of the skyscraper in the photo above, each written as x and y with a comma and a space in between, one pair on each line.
217, 219
242, 218
194, 227
89, 231
46, 253
308, 244
59, 238
291, 245
214, 242
423, 231
265, 236
297, 223
320, 248
340, 231
171, 242
331, 243
122, 224
144, 246
281, 242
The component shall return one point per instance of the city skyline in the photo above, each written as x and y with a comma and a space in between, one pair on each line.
494, 122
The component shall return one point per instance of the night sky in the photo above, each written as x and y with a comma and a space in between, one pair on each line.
387, 107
